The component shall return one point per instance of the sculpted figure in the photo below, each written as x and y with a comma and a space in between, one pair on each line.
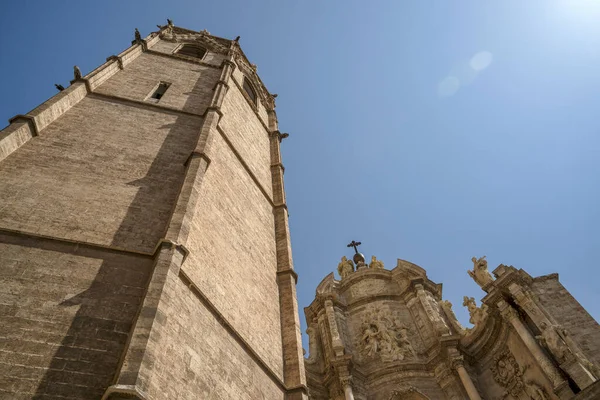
480, 273
170, 26
370, 340
76, 72
345, 267
535, 391
375, 263
552, 340
138, 37
478, 315
404, 342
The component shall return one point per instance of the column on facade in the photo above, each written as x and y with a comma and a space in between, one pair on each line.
465, 378
346, 383
549, 369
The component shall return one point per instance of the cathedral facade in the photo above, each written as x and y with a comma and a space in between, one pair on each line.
145, 254
388, 335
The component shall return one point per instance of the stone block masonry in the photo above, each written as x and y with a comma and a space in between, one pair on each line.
144, 246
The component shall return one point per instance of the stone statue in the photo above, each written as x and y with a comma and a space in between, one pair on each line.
138, 37
345, 267
76, 72
480, 273
478, 315
552, 339
170, 27
535, 391
375, 263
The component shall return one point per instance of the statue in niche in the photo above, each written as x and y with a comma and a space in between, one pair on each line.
535, 391
478, 315
375, 263
345, 267
480, 273
508, 374
389, 340
76, 72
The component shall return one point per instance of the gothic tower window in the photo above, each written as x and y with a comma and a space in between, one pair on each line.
192, 50
249, 90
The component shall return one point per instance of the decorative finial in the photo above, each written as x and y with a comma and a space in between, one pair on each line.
237, 39
59, 87
358, 258
354, 244
76, 72
138, 37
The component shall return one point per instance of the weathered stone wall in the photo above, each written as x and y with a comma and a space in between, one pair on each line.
191, 84
248, 136
83, 206
568, 313
66, 311
199, 358
235, 265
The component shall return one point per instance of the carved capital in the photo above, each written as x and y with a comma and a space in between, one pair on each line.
507, 311
346, 381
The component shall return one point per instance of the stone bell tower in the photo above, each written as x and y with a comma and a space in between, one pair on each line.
144, 244
379, 334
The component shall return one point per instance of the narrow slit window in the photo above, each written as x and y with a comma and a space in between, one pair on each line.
249, 90
159, 92
192, 50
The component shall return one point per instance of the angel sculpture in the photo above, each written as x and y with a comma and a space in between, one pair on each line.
480, 273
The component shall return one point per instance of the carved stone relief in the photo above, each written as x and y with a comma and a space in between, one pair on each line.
508, 374
383, 338
432, 308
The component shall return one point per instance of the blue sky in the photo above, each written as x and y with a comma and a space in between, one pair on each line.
431, 131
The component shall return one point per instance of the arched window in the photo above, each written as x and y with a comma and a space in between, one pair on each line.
249, 89
192, 50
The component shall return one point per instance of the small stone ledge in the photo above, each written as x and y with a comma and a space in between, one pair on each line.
549, 277
16, 135
122, 392
288, 271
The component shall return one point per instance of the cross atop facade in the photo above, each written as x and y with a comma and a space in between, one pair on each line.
355, 245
